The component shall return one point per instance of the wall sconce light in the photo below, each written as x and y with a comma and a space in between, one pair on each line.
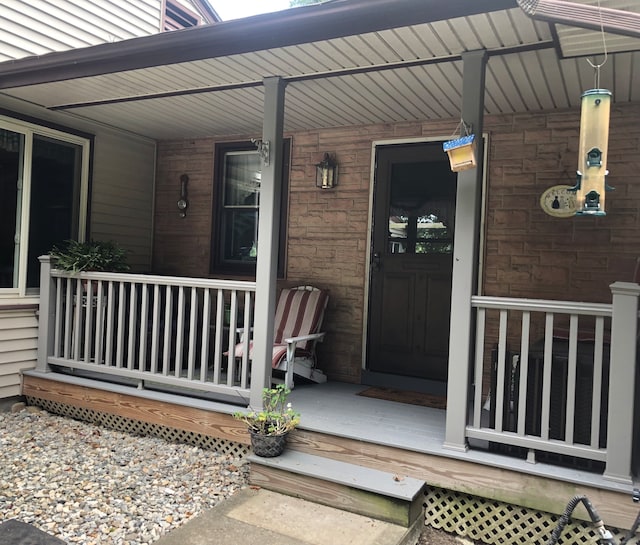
327, 172
183, 203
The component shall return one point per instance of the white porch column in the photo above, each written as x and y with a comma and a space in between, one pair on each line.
622, 373
46, 313
268, 237
465, 256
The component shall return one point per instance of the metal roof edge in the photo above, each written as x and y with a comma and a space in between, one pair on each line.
615, 21
285, 28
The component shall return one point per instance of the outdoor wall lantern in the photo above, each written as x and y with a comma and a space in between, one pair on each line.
183, 203
327, 172
591, 182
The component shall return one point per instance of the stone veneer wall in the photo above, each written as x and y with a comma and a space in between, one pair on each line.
526, 252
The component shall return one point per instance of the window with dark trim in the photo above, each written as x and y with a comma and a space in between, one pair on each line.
44, 184
177, 16
236, 206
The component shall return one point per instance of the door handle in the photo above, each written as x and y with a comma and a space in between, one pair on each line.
376, 261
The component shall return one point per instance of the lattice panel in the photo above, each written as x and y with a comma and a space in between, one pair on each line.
501, 523
137, 427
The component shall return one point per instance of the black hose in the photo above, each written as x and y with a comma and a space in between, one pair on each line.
632, 531
605, 536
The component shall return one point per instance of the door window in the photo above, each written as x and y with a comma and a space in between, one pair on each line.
421, 213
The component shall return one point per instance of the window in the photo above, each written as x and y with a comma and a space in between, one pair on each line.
43, 195
236, 207
177, 16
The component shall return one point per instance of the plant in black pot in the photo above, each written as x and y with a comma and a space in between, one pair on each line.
95, 255
270, 426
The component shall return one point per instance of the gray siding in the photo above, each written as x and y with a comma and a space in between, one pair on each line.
122, 194
121, 208
38, 27
18, 348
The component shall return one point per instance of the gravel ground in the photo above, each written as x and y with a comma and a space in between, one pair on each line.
91, 485
95, 486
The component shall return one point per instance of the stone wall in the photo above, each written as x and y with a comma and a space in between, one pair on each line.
526, 252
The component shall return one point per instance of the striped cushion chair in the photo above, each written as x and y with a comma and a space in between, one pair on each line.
298, 318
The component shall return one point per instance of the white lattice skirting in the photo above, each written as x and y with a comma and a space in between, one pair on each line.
494, 522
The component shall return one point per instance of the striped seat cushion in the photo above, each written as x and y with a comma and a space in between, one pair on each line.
299, 312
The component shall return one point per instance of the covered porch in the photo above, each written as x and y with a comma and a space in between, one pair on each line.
355, 77
538, 395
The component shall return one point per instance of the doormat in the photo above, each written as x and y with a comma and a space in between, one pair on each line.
404, 396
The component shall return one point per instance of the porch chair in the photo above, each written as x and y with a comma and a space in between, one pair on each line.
298, 318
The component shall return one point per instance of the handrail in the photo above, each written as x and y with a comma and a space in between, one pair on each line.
541, 305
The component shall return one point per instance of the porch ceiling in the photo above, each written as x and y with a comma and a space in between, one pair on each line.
382, 75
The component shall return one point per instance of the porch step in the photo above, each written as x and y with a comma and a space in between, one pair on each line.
377, 494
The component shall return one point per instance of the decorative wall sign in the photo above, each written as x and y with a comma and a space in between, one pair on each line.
559, 201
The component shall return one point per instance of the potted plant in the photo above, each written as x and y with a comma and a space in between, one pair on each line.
95, 255
270, 426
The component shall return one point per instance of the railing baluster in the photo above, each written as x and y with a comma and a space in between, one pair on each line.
502, 356
77, 323
68, 320
168, 324
57, 332
87, 303
206, 325
244, 376
233, 320
99, 328
477, 374
191, 354
217, 350
120, 328
108, 353
524, 371
133, 305
141, 327
571, 379
596, 394
547, 364
155, 330
180, 329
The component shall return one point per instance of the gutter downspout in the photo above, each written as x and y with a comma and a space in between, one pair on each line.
615, 21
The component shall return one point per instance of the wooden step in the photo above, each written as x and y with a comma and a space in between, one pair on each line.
384, 496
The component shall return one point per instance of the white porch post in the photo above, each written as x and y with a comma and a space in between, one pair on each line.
46, 313
622, 372
268, 237
465, 256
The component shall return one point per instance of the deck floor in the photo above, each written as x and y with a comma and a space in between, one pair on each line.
335, 408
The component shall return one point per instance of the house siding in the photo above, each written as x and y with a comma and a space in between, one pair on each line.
18, 348
122, 194
41, 26
526, 252
121, 205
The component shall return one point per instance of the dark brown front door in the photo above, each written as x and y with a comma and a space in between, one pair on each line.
410, 285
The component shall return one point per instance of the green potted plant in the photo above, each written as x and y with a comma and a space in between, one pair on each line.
270, 426
95, 255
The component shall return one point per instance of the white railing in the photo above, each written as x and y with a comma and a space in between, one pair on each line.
545, 375
151, 330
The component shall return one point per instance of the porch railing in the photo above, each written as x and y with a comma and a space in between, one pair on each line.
151, 330
548, 375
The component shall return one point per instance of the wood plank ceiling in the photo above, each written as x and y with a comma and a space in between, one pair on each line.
403, 74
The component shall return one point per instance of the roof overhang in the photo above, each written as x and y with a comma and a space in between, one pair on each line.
347, 62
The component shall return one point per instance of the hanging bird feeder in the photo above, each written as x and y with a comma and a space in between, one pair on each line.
461, 151
591, 182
